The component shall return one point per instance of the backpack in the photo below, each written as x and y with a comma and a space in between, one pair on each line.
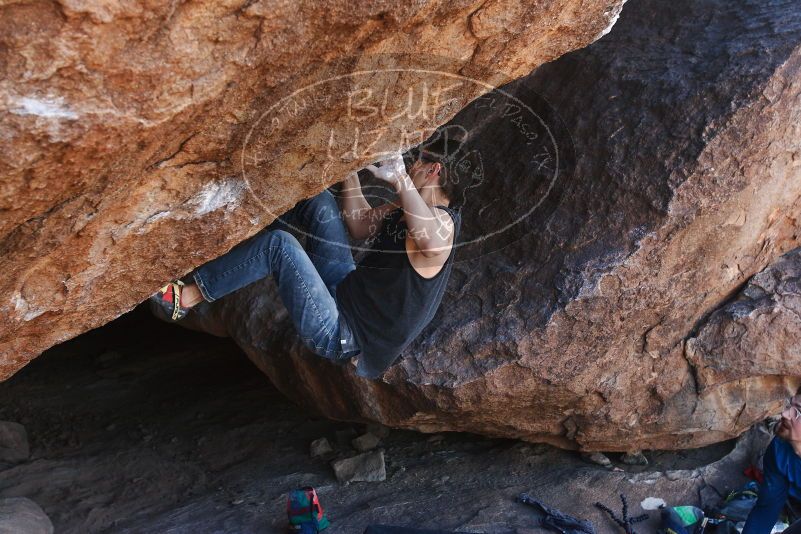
738, 504
304, 511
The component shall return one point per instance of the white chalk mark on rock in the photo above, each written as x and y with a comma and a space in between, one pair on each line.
23, 306
215, 195
51, 109
156, 217
18, 302
612, 21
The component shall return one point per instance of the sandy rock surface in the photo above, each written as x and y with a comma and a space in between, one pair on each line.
661, 173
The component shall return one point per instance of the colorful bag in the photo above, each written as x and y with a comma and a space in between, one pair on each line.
682, 520
304, 511
738, 504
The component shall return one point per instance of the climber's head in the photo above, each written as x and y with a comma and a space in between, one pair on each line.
789, 427
442, 163
426, 172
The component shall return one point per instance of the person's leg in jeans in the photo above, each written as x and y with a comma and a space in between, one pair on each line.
327, 245
319, 218
315, 316
302, 290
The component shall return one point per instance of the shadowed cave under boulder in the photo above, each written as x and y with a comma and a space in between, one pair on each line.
135, 427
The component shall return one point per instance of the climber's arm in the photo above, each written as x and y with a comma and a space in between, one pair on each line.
772, 494
430, 228
361, 219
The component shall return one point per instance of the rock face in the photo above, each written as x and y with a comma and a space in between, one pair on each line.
670, 175
19, 515
141, 140
757, 333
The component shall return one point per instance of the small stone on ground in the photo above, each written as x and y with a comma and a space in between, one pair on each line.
634, 458
365, 442
366, 467
378, 430
652, 503
320, 447
597, 458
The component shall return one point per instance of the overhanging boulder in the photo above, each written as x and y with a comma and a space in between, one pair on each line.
140, 141
681, 180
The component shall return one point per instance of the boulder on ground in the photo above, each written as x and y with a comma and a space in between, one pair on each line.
365, 442
320, 447
365, 467
19, 515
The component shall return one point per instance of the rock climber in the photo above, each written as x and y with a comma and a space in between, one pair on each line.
366, 313
782, 470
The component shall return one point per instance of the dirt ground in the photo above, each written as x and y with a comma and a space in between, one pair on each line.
143, 427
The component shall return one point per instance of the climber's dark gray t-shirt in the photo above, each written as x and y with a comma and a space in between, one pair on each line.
385, 301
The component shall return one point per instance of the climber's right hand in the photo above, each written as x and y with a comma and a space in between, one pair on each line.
392, 170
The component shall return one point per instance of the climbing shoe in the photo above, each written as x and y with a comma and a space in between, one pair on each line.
168, 300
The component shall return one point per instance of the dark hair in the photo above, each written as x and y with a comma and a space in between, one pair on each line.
459, 170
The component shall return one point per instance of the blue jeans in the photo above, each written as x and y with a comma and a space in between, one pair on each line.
306, 279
